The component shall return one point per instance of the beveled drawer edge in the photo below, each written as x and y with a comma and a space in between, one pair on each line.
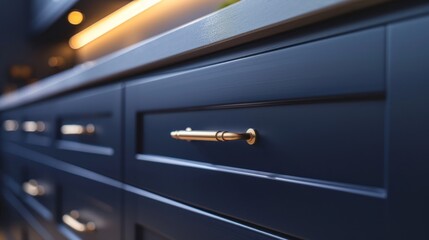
14, 187
170, 202
28, 217
85, 148
52, 162
11, 184
368, 191
38, 207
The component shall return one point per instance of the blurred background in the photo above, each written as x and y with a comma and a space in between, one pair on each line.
36, 35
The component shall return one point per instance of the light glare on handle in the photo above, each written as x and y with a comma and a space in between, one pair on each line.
72, 221
33, 188
75, 129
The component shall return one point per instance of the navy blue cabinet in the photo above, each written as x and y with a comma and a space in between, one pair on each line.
319, 151
339, 151
408, 85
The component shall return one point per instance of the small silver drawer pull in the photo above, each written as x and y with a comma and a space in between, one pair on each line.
214, 136
33, 126
10, 125
33, 188
75, 129
72, 221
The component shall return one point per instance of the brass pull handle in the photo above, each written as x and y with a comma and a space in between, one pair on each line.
33, 188
72, 221
10, 125
75, 129
33, 126
214, 136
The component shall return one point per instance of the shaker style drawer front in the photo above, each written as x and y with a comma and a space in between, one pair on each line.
335, 141
150, 217
313, 161
38, 126
12, 125
343, 65
14, 167
90, 210
88, 130
317, 156
40, 190
21, 224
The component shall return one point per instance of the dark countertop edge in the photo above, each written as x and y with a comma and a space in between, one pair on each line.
208, 36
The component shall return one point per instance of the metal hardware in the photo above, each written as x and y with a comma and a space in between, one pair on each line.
75, 129
33, 126
214, 136
10, 125
72, 221
33, 188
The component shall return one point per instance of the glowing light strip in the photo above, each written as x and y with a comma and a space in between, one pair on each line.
110, 22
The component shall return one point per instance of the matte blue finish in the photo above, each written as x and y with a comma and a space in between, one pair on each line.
40, 141
95, 202
333, 141
100, 152
14, 166
408, 151
14, 136
316, 159
342, 149
150, 217
45, 205
23, 225
347, 64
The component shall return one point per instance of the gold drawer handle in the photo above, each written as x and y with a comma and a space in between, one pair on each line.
214, 136
75, 129
72, 221
10, 125
33, 188
33, 126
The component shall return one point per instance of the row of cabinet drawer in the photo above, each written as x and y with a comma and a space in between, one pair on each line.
318, 111
60, 205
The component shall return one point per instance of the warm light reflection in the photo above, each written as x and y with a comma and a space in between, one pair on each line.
55, 61
75, 17
109, 22
10, 125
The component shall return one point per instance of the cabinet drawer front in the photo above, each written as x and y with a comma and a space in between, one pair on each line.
339, 141
149, 216
318, 110
40, 190
38, 126
97, 207
21, 224
88, 130
12, 125
15, 168
305, 156
347, 64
